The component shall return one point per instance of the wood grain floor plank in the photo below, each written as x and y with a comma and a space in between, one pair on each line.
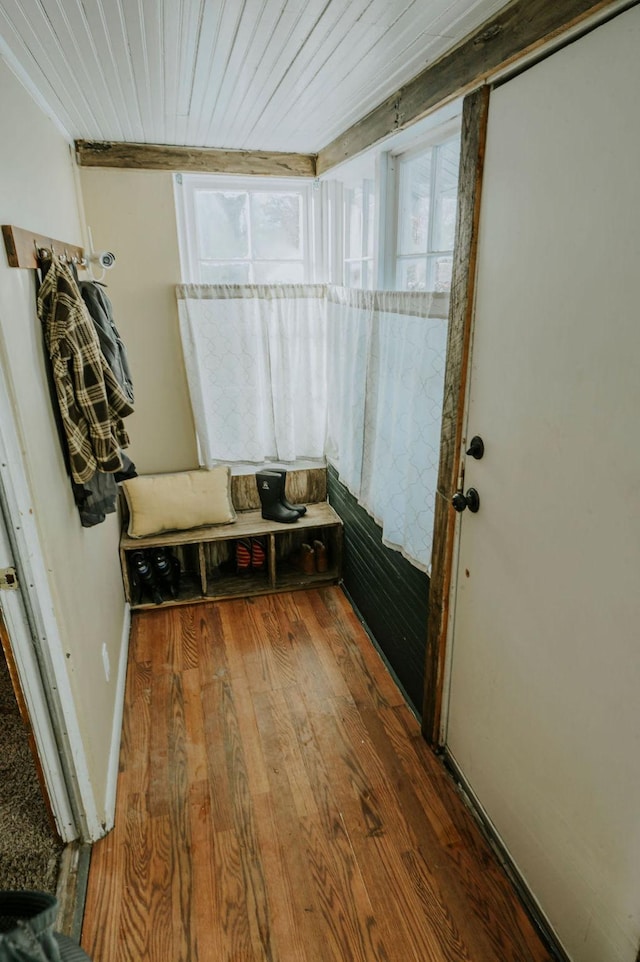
380, 838
308, 923
137, 857
367, 677
281, 632
276, 803
264, 657
212, 653
159, 938
208, 945
100, 929
195, 749
133, 765
181, 877
284, 753
159, 783
350, 927
143, 630
289, 934
187, 629
468, 870
324, 664
244, 827
221, 802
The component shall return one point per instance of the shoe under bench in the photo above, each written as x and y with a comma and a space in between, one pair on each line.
206, 556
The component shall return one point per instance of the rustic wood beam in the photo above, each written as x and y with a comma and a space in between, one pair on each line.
514, 32
474, 129
200, 159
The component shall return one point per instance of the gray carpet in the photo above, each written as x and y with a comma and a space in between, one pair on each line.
29, 852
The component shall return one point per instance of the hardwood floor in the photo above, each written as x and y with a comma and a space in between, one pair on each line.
277, 803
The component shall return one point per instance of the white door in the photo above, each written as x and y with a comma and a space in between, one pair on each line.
544, 700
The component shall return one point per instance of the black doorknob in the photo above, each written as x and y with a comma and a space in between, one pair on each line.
476, 447
470, 500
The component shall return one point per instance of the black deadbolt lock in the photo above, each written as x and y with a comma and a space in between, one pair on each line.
476, 448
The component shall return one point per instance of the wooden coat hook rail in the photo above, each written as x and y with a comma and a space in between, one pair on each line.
23, 247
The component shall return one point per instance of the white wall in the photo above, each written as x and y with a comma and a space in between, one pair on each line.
132, 213
38, 192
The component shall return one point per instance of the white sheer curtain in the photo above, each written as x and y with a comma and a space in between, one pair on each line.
255, 357
387, 354
285, 373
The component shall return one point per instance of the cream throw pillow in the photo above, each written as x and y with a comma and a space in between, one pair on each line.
175, 502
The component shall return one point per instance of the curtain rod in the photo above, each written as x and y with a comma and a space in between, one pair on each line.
26, 249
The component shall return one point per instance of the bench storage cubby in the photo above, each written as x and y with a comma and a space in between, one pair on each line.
208, 564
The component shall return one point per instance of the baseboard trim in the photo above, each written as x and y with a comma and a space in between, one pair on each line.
116, 732
531, 906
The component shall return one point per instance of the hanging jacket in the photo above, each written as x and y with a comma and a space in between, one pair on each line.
91, 401
97, 498
101, 313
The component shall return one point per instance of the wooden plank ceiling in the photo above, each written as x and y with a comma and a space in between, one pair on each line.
253, 75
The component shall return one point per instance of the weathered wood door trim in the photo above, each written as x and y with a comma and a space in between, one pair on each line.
474, 128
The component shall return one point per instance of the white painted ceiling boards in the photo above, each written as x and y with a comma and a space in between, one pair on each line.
278, 75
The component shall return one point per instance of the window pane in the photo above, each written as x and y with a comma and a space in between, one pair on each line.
278, 272
446, 195
276, 225
353, 220
221, 224
412, 274
224, 274
353, 274
439, 272
413, 206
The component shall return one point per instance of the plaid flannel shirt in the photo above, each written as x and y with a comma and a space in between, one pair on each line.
92, 403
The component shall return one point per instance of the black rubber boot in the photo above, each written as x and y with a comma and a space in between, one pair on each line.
271, 490
300, 508
143, 575
166, 568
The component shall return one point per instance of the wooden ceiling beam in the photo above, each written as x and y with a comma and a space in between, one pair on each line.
516, 31
202, 160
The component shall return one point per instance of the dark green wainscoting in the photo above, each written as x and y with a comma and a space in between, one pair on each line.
390, 594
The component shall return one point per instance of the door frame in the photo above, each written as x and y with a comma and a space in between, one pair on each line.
19, 651
37, 647
475, 111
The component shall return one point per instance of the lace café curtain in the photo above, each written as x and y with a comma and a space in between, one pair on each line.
255, 357
285, 373
387, 353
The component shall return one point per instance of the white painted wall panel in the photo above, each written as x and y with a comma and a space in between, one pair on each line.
38, 192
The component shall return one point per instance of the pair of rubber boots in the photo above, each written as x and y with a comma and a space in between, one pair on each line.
153, 571
275, 506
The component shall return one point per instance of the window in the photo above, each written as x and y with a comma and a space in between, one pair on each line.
390, 213
427, 189
358, 235
237, 231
